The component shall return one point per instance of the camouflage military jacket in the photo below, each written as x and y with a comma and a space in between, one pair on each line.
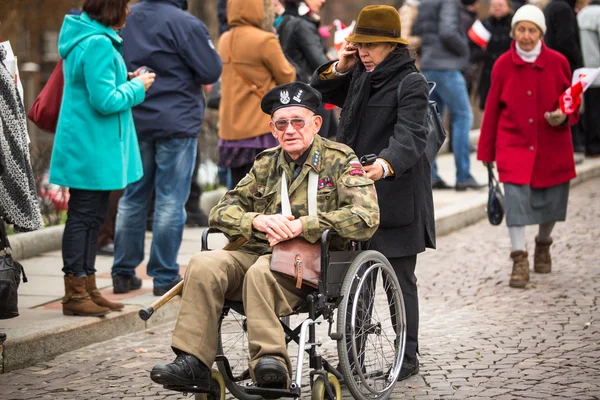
346, 198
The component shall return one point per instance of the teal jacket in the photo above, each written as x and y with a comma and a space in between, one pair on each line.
96, 145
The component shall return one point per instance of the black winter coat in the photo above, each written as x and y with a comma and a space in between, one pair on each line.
397, 132
499, 44
562, 33
302, 43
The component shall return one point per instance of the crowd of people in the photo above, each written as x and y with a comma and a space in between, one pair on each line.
134, 103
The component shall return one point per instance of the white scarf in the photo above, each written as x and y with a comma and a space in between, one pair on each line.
531, 55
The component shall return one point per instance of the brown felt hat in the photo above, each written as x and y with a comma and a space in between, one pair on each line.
377, 24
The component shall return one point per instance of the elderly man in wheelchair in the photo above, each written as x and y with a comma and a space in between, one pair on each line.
294, 193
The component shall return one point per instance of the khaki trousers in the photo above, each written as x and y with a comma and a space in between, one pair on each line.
212, 277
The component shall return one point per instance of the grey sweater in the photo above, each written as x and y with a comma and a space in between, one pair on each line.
589, 30
444, 43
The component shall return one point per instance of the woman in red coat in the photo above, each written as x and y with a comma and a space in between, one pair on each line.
529, 138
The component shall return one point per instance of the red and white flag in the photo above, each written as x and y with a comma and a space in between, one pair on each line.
479, 34
570, 100
341, 33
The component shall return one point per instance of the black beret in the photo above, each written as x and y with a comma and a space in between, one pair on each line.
295, 94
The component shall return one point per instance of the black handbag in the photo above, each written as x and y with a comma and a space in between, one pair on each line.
10, 277
436, 134
495, 205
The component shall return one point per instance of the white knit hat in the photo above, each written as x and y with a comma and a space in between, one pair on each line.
529, 13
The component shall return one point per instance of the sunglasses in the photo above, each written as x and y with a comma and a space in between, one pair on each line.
297, 123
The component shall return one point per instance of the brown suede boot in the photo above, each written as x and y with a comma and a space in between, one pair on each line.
97, 298
542, 262
520, 272
77, 301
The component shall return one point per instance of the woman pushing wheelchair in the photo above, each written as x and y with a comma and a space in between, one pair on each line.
269, 206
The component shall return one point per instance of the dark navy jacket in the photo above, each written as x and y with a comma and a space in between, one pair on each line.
177, 46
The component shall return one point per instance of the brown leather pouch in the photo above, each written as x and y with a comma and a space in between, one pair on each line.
298, 259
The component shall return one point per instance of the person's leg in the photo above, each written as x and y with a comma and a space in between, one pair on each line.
520, 272
404, 267
238, 173
174, 164
131, 217
455, 95
268, 296
592, 122
195, 215
433, 76
542, 261
95, 220
106, 235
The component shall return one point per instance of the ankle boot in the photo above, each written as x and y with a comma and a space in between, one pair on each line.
542, 262
520, 272
77, 301
97, 298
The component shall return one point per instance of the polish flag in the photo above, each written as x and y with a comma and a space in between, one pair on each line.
479, 34
570, 100
341, 33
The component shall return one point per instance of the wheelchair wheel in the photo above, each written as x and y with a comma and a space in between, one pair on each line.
371, 318
319, 391
233, 343
217, 383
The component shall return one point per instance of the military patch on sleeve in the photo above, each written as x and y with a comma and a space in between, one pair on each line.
356, 168
325, 183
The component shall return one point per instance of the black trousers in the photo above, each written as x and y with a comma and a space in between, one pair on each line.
87, 210
591, 120
238, 173
405, 271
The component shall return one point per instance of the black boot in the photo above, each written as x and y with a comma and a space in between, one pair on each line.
186, 373
271, 373
409, 368
125, 283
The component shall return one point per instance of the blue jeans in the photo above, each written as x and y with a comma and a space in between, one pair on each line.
451, 92
168, 167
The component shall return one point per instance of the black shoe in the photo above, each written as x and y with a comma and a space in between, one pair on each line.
271, 373
409, 368
125, 283
470, 183
108, 250
161, 290
186, 372
196, 218
439, 184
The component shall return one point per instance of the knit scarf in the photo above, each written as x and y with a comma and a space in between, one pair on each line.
531, 55
18, 198
363, 84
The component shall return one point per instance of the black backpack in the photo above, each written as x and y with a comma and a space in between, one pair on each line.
10, 277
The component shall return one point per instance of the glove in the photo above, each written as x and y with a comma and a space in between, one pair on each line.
556, 117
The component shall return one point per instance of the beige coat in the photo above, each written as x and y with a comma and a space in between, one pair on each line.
257, 55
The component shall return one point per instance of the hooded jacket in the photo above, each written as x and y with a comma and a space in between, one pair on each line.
96, 146
159, 34
258, 60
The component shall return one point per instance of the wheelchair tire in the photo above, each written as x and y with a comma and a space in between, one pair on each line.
319, 391
371, 289
227, 344
217, 382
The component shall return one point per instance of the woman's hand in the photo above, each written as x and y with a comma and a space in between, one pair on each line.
374, 171
147, 79
556, 117
348, 58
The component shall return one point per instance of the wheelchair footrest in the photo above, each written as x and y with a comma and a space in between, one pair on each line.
191, 389
270, 393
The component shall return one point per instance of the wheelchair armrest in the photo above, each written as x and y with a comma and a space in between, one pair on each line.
205, 237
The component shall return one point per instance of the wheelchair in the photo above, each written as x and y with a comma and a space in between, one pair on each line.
359, 297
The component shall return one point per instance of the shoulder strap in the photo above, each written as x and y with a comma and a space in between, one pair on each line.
430, 84
313, 182
253, 87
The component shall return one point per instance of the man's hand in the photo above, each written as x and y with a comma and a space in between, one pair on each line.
276, 225
348, 58
556, 117
374, 171
296, 226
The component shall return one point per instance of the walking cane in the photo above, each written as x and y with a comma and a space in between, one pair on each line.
146, 313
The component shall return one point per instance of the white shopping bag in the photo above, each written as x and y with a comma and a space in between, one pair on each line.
13, 68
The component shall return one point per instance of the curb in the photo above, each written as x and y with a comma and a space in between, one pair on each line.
22, 351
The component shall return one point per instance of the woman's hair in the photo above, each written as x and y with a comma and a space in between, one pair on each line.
107, 12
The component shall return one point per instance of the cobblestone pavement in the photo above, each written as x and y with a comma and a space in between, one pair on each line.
479, 338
